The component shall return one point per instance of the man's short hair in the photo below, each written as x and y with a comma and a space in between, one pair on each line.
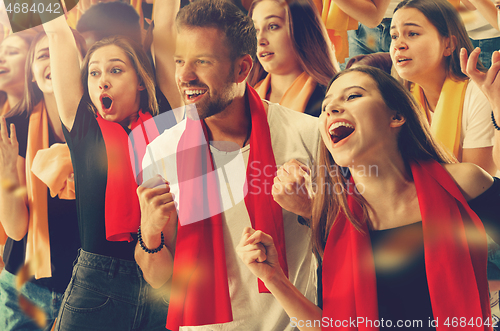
108, 19
225, 16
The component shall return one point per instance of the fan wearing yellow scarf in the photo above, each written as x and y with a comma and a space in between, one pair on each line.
489, 83
295, 58
427, 36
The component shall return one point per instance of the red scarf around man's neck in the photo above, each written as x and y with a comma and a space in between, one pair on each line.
455, 259
122, 211
200, 292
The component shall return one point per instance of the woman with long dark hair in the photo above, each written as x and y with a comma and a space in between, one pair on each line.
427, 36
392, 219
99, 106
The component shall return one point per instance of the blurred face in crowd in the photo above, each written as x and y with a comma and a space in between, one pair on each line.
41, 66
274, 44
205, 72
113, 84
418, 51
13, 52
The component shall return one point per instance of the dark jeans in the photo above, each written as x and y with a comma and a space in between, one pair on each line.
366, 40
12, 317
111, 294
488, 46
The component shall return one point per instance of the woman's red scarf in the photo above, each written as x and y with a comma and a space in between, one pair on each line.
200, 292
122, 211
455, 257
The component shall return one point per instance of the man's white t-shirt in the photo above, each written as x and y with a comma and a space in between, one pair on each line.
293, 136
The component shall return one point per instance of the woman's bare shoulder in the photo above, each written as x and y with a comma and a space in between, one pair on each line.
471, 179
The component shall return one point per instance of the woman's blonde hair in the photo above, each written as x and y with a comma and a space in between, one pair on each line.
32, 94
27, 36
415, 142
309, 39
139, 61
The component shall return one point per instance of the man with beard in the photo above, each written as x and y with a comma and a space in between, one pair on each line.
211, 287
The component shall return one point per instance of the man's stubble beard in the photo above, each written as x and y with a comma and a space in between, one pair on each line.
221, 101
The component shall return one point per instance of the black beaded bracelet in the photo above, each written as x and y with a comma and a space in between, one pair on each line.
144, 248
494, 122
